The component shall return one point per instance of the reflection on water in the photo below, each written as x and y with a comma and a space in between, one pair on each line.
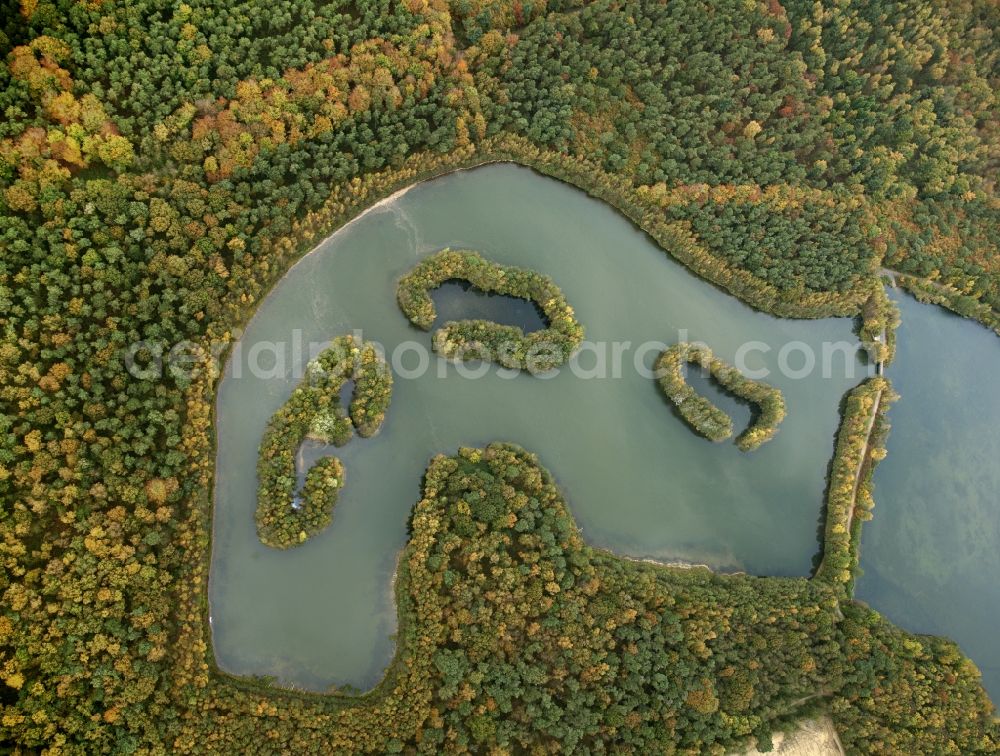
931, 555
458, 300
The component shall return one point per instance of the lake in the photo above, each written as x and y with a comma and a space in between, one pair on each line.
638, 481
931, 555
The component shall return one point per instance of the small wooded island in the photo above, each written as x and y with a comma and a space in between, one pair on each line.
481, 339
705, 417
313, 412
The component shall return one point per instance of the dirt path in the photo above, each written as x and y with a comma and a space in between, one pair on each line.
943, 289
864, 458
880, 366
936, 285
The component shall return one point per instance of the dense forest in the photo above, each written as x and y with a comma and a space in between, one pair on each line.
162, 164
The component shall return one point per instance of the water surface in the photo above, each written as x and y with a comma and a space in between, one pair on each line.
637, 480
931, 555
459, 300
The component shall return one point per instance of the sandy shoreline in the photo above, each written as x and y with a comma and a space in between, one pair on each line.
385, 201
370, 209
676, 564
